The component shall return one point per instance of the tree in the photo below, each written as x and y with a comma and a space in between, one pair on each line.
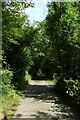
62, 28
38, 47
14, 21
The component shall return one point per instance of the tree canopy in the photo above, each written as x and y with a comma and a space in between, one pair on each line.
45, 48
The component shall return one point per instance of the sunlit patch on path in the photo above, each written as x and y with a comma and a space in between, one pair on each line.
40, 101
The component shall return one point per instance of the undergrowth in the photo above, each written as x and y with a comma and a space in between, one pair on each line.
9, 96
9, 103
70, 89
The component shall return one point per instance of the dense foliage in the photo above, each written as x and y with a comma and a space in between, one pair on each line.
6, 76
62, 27
16, 52
13, 75
44, 49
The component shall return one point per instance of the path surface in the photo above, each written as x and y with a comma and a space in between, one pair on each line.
40, 102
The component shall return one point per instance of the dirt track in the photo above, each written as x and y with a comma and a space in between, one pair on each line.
40, 102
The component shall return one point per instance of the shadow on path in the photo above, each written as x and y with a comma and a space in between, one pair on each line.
47, 104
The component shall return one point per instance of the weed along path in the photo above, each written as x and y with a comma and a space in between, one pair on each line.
39, 101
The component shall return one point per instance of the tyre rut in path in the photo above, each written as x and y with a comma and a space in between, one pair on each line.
39, 101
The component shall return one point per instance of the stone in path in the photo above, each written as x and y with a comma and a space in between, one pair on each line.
40, 102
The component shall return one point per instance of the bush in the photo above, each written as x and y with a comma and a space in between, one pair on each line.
6, 77
73, 90
70, 89
10, 97
27, 77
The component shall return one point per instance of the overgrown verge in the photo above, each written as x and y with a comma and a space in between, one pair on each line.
70, 89
9, 96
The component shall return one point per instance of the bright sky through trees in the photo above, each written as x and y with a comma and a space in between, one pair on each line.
39, 12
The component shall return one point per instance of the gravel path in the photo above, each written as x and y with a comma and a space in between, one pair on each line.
39, 101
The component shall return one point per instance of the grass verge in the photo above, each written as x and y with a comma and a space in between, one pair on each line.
9, 103
51, 81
